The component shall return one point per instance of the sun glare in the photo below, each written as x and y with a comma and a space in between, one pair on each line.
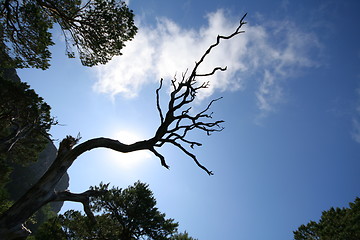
128, 160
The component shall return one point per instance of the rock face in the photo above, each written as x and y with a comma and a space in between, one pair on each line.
22, 178
10, 74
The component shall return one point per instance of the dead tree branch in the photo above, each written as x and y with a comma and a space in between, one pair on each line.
174, 127
178, 121
83, 198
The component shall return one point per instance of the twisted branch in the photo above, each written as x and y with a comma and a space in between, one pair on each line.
83, 198
175, 126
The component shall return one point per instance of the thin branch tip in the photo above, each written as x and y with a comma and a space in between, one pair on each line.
242, 19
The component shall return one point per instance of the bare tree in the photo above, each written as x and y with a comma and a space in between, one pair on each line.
175, 123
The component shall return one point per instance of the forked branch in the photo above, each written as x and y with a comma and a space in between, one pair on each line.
178, 120
174, 127
83, 198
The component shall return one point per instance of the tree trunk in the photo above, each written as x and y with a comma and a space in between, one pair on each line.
11, 222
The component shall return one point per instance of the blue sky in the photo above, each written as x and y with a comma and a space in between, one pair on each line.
291, 144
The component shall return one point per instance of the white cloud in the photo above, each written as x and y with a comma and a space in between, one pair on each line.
166, 50
270, 53
356, 130
276, 52
268, 92
356, 121
128, 73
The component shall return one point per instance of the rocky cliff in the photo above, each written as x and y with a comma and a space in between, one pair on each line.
23, 177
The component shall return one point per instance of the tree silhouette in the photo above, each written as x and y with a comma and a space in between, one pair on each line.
125, 214
24, 122
98, 30
175, 123
335, 223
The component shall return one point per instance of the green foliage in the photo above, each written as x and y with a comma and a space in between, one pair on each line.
5, 203
43, 215
100, 31
124, 214
24, 32
134, 209
182, 236
97, 30
334, 224
51, 229
24, 123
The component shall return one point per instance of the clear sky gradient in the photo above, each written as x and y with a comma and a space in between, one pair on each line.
291, 144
